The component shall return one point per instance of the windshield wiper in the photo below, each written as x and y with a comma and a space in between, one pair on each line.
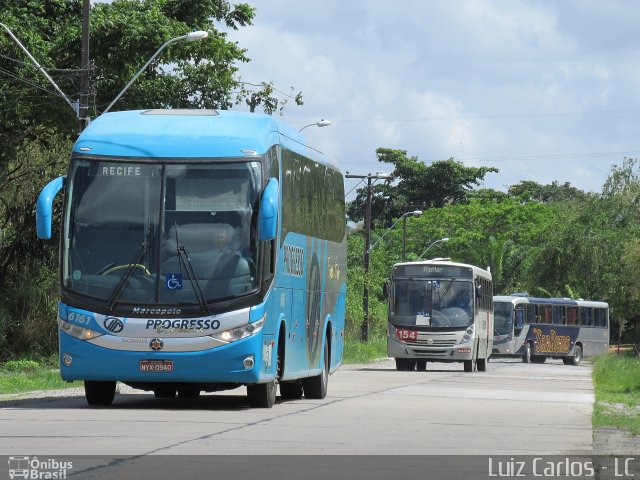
184, 259
141, 252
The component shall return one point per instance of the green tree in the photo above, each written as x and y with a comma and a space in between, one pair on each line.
553, 192
417, 185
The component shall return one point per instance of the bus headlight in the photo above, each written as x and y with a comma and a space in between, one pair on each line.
235, 334
468, 334
76, 331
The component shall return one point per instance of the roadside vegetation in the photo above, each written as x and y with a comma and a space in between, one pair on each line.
357, 351
26, 375
617, 387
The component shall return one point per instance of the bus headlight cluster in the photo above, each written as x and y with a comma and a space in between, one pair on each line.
239, 333
76, 331
468, 334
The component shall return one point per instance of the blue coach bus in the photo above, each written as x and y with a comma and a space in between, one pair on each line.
201, 250
536, 328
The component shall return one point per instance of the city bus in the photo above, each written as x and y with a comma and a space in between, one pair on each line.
439, 311
201, 250
537, 328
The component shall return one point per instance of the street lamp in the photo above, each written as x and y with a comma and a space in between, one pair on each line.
415, 213
367, 242
191, 36
445, 239
321, 123
73, 105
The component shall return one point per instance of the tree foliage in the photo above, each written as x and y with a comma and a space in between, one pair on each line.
553, 192
417, 185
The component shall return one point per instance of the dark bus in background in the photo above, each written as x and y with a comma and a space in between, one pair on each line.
536, 328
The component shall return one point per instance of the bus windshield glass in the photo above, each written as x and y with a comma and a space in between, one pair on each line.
503, 318
161, 234
432, 303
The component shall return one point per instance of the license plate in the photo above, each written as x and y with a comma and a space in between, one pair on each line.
156, 366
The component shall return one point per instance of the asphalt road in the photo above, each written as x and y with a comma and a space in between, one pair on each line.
512, 409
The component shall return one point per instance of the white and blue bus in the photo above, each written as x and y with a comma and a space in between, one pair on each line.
536, 328
440, 311
201, 250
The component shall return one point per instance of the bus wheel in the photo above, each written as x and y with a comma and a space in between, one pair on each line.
316, 387
421, 365
291, 390
482, 364
469, 366
526, 358
99, 393
577, 356
262, 395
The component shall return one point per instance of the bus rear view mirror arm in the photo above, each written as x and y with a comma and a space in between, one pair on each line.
269, 210
44, 207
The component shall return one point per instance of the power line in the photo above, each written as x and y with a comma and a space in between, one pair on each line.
51, 69
15, 77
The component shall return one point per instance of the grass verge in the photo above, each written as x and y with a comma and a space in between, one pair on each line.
356, 351
26, 375
617, 386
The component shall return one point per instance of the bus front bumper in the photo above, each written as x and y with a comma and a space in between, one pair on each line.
81, 360
456, 353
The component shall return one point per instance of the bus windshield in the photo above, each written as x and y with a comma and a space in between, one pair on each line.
503, 318
432, 303
161, 234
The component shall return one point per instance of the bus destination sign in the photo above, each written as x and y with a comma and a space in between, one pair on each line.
430, 270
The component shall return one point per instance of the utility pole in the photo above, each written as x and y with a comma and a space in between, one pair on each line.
364, 329
83, 114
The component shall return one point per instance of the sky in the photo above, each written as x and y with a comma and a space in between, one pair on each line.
542, 90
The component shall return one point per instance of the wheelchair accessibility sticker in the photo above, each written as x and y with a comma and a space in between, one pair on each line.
173, 281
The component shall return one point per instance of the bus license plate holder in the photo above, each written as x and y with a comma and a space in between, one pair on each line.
155, 366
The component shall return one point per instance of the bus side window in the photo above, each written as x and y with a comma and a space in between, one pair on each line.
559, 316
586, 319
531, 313
519, 319
572, 315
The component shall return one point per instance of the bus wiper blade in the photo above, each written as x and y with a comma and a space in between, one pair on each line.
141, 252
183, 256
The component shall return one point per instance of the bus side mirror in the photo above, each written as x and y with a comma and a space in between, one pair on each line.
44, 207
268, 217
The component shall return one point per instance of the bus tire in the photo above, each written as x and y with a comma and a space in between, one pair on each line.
401, 364
316, 387
577, 356
482, 364
99, 393
262, 395
526, 358
421, 365
469, 365
291, 390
